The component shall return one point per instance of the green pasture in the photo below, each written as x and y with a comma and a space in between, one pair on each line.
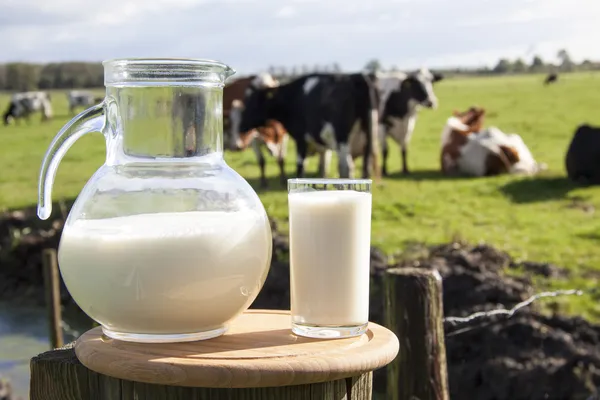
544, 218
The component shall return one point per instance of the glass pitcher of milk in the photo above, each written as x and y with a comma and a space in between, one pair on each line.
165, 242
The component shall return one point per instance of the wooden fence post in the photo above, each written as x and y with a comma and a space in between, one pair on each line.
58, 375
52, 289
414, 312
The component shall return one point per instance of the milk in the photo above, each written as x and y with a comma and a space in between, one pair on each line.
166, 273
330, 235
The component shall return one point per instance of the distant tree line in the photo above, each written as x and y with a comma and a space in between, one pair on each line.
22, 76
286, 73
68, 75
506, 66
25, 76
565, 64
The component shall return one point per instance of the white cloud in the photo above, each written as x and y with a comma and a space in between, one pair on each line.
253, 34
286, 12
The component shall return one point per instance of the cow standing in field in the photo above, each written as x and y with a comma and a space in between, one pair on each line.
583, 156
22, 105
401, 96
328, 112
78, 98
551, 78
234, 93
273, 136
17, 110
236, 90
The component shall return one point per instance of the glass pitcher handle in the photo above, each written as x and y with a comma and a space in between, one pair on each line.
90, 120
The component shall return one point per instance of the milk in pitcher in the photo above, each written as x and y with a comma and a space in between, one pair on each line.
165, 273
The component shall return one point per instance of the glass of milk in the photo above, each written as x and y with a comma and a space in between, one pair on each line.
330, 241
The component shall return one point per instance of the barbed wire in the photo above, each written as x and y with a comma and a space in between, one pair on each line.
510, 312
454, 321
457, 321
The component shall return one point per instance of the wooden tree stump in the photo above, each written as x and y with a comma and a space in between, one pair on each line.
414, 311
259, 358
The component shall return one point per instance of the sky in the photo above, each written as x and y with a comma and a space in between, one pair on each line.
251, 35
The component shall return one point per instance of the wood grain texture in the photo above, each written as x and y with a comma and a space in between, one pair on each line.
414, 311
359, 387
58, 372
259, 350
58, 375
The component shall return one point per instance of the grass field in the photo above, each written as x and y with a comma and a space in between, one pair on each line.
544, 218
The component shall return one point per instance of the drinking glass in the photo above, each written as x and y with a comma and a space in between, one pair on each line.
330, 241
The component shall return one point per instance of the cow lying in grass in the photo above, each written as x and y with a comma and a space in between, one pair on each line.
456, 135
467, 149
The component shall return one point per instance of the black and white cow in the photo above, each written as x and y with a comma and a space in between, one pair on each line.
401, 97
322, 113
78, 98
22, 105
17, 109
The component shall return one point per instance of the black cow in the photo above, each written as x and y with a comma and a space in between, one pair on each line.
17, 109
583, 156
551, 78
321, 112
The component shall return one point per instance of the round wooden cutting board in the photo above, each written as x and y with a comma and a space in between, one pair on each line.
259, 350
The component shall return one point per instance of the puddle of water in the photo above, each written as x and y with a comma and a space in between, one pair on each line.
23, 334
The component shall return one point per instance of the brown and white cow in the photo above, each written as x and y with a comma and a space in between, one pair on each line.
271, 135
456, 134
467, 149
235, 92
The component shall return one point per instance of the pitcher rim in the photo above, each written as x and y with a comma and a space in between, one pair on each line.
166, 60
156, 71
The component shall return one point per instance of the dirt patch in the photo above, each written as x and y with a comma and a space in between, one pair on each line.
529, 356
23, 237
